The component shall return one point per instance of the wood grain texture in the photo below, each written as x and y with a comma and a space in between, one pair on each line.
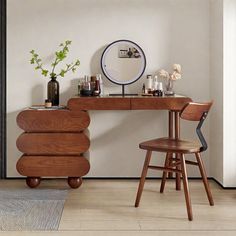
53, 166
171, 145
74, 182
128, 103
159, 103
143, 178
53, 143
194, 111
33, 182
99, 103
53, 120
186, 188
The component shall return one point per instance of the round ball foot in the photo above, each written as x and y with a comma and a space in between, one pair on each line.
74, 182
33, 182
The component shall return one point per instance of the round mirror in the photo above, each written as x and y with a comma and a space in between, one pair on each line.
123, 62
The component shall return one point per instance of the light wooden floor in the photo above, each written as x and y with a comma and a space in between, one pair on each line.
106, 207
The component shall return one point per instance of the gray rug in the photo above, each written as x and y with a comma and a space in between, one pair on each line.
31, 209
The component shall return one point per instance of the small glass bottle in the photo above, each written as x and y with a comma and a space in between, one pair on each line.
149, 83
97, 89
99, 77
93, 82
143, 89
48, 103
129, 53
159, 90
79, 86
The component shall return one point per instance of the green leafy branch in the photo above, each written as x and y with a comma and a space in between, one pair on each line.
59, 57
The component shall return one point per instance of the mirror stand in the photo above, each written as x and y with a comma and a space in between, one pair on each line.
123, 93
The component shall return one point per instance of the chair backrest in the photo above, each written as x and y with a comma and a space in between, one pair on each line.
194, 111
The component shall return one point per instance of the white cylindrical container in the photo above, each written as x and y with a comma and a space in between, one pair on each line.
149, 82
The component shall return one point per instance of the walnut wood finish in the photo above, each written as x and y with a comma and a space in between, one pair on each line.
177, 136
159, 103
99, 103
186, 188
143, 177
50, 134
171, 145
128, 103
53, 166
204, 178
74, 182
164, 175
53, 120
171, 135
53, 143
193, 111
33, 182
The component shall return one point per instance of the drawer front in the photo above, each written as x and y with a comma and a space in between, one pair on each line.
53, 143
53, 121
73, 166
159, 103
99, 103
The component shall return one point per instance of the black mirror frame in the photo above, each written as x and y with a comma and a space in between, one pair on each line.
129, 41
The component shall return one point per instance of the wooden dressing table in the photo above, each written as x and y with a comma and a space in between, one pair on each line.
54, 140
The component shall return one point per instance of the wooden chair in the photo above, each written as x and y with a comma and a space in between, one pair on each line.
192, 112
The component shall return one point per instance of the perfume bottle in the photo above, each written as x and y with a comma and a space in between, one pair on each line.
97, 88
143, 89
99, 77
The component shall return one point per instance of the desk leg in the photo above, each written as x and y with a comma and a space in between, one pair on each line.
177, 157
171, 135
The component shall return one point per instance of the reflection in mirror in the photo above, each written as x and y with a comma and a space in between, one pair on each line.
123, 62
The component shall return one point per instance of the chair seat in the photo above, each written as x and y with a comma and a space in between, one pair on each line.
171, 145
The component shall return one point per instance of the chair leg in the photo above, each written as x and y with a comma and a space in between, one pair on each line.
204, 178
143, 177
164, 175
186, 188
170, 174
178, 175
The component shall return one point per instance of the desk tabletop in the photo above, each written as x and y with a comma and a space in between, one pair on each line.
176, 102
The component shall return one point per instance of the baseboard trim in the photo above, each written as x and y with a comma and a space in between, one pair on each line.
131, 178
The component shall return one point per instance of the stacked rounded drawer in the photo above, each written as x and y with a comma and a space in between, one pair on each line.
54, 143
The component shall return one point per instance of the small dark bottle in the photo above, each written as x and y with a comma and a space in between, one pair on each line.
53, 91
143, 89
129, 53
97, 89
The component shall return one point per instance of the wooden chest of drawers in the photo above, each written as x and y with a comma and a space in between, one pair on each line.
53, 143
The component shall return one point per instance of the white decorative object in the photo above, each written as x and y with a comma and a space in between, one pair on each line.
176, 75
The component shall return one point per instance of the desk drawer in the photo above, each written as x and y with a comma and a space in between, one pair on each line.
99, 103
159, 103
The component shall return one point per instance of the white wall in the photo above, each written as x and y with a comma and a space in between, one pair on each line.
216, 89
229, 124
169, 31
223, 85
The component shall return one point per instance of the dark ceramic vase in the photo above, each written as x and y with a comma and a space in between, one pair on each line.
53, 91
